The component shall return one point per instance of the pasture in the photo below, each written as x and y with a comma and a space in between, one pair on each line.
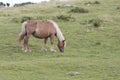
92, 52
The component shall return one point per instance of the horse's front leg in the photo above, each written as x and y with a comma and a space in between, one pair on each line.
44, 45
26, 48
52, 43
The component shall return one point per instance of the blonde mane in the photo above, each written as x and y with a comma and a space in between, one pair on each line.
59, 33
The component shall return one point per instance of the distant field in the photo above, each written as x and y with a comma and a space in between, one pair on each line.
92, 32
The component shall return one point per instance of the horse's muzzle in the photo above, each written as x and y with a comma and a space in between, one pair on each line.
62, 51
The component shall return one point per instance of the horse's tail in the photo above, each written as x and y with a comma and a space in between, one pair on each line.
22, 33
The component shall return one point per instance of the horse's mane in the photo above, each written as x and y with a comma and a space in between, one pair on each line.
59, 33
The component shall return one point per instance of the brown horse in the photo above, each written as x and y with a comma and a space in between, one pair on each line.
42, 30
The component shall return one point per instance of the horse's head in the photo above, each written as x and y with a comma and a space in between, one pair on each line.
61, 45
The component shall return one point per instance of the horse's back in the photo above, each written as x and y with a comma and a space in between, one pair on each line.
46, 26
31, 26
41, 28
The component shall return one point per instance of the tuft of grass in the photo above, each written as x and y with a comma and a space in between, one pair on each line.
96, 22
24, 18
65, 18
79, 10
20, 19
91, 3
96, 2
118, 8
15, 20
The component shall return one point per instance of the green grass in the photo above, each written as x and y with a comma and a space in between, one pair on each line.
93, 55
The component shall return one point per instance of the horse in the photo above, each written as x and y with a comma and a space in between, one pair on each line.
42, 30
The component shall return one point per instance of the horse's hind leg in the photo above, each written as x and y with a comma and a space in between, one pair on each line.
26, 48
44, 45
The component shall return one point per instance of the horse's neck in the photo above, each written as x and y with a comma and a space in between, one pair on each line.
60, 35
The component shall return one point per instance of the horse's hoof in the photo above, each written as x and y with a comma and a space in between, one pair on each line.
27, 51
44, 49
53, 51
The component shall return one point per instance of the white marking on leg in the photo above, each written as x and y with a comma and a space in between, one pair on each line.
52, 49
44, 49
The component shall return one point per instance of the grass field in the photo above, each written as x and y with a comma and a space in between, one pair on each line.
92, 53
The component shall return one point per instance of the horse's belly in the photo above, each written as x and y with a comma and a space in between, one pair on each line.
40, 35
